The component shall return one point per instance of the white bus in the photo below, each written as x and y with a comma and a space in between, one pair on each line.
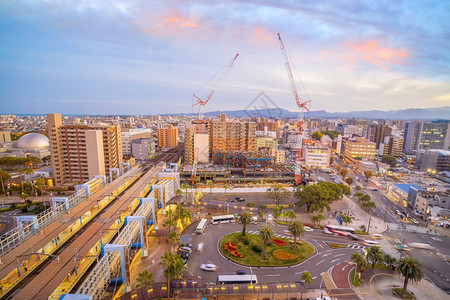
340, 230
236, 279
222, 219
201, 226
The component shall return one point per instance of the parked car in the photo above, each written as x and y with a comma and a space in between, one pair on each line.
230, 200
185, 245
208, 267
185, 249
239, 199
184, 255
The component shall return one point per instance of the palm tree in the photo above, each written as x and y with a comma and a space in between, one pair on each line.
185, 186
346, 219
210, 184
173, 267
145, 278
265, 234
316, 219
225, 187
411, 269
289, 214
298, 230
245, 218
374, 255
307, 279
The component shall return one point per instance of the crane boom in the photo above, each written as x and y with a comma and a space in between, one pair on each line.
202, 103
301, 105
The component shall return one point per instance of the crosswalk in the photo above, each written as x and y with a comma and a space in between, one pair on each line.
410, 228
355, 246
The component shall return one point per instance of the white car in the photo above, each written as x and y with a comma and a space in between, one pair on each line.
208, 267
307, 228
377, 235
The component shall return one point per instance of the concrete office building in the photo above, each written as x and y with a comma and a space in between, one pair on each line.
133, 134
143, 148
79, 152
196, 143
266, 142
167, 136
433, 161
423, 136
359, 148
317, 156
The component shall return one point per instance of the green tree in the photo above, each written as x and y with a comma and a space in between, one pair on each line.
349, 180
365, 198
343, 173
144, 279
3, 177
319, 196
225, 187
346, 189
368, 174
368, 206
374, 255
358, 188
359, 260
173, 267
390, 160
24, 195
278, 194
359, 194
266, 235
390, 261
317, 218
307, 279
298, 230
245, 218
316, 135
411, 269
40, 183
363, 228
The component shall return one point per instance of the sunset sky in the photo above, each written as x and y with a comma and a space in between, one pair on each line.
149, 57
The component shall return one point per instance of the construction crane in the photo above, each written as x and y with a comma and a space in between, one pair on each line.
199, 120
302, 105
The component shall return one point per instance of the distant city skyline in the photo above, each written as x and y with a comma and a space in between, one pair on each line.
149, 57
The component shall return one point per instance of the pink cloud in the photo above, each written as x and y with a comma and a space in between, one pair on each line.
263, 37
374, 53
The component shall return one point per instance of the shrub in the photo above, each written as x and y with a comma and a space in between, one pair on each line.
246, 242
251, 204
256, 249
263, 206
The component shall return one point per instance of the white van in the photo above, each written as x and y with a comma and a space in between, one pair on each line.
200, 248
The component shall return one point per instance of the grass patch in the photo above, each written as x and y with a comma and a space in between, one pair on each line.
272, 206
354, 280
336, 246
399, 291
253, 258
361, 232
286, 223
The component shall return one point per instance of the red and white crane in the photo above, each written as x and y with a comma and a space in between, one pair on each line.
201, 103
303, 104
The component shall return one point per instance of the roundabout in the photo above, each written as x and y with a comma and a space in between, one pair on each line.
248, 250
318, 261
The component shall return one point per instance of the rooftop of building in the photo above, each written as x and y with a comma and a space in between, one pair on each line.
405, 187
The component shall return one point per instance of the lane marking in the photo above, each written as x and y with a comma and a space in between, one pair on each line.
339, 255
273, 274
320, 262
334, 260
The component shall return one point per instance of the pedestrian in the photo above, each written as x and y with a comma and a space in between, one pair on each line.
167, 241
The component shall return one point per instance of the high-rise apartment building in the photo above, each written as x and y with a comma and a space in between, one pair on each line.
393, 146
167, 136
423, 136
196, 143
231, 135
133, 134
377, 133
79, 152
359, 148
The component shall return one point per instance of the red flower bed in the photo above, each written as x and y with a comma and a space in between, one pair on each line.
232, 249
279, 242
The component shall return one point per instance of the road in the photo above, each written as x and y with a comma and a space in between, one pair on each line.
322, 260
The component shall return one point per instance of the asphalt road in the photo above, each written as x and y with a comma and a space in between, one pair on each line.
322, 260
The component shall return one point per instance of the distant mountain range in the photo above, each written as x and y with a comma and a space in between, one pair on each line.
434, 113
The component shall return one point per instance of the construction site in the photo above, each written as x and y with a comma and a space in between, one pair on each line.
241, 167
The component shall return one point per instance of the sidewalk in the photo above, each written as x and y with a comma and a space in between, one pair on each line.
378, 284
345, 205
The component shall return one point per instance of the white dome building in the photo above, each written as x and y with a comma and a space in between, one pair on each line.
33, 141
